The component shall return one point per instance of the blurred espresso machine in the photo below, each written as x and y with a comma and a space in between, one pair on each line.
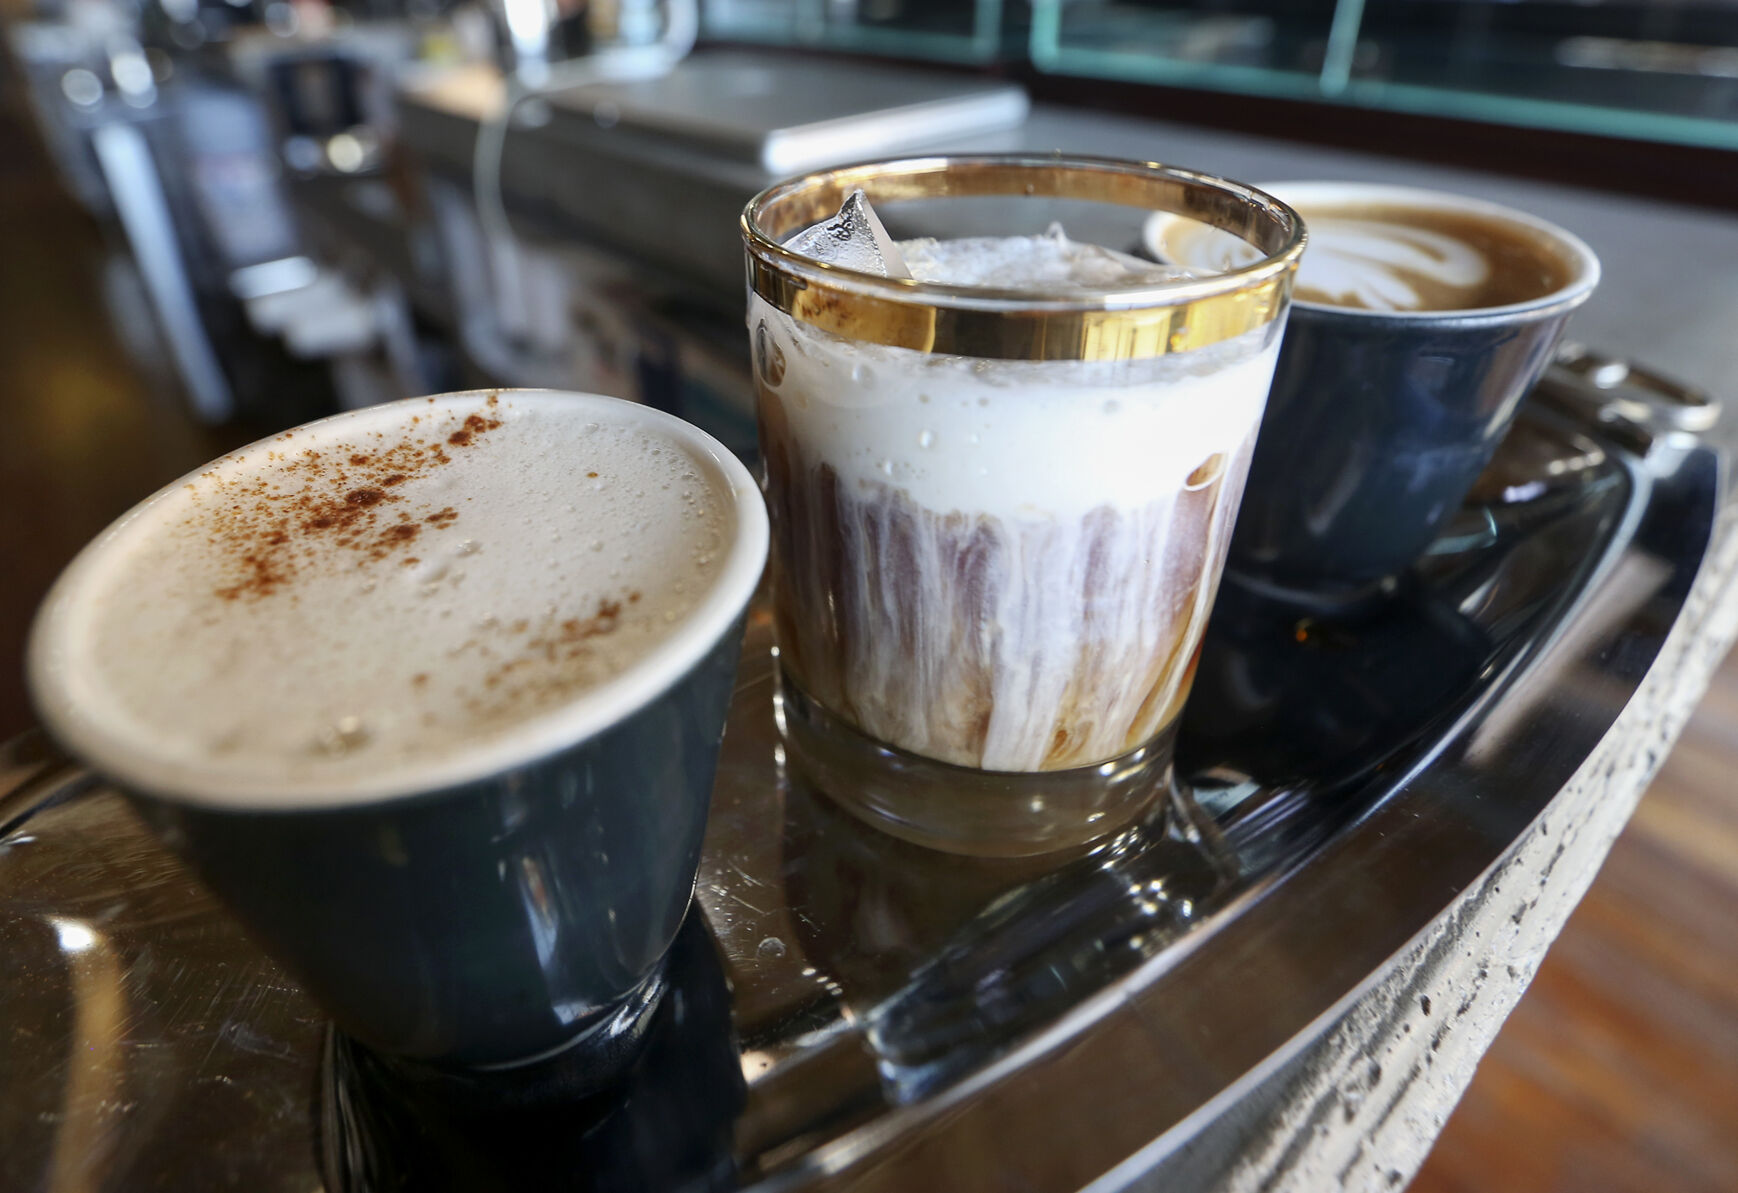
556, 201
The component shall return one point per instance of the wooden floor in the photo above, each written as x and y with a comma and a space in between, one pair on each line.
1618, 1073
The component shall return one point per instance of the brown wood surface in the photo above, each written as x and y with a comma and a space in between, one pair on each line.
1618, 1072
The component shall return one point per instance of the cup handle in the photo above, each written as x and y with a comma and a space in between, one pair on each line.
1606, 389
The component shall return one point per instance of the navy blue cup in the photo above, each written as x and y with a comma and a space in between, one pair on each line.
497, 921
1375, 429
519, 902
1379, 422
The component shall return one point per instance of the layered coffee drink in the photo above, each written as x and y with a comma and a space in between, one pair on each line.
1005, 565
1002, 464
390, 601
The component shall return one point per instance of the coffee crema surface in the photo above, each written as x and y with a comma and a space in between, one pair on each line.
304, 619
1396, 250
1389, 257
1005, 565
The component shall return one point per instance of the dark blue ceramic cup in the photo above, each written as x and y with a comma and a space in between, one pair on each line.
497, 921
1379, 421
520, 901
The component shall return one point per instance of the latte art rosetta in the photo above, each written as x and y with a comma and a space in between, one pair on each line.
1388, 267
1393, 251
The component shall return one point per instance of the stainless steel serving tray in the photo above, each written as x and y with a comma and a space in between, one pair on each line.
851, 1010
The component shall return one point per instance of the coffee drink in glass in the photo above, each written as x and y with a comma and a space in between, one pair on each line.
1002, 468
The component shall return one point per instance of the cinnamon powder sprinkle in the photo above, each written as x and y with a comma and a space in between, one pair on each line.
346, 500
567, 640
476, 424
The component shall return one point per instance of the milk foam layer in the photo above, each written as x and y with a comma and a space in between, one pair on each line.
1000, 564
315, 613
1016, 439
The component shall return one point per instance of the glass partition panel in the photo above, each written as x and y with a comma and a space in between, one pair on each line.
1651, 70
1660, 70
1266, 47
943, 30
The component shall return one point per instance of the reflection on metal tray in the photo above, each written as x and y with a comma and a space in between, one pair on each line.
850, 1009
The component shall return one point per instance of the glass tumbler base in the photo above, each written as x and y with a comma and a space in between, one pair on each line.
957, 809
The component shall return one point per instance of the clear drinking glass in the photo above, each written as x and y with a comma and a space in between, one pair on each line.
1000, 514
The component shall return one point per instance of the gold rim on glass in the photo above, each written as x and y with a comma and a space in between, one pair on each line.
1131, 323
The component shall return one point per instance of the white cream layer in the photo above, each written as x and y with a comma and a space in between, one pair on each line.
1013, 439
